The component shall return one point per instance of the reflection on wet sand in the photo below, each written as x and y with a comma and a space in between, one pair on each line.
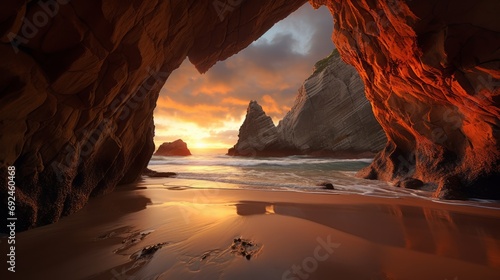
153, 232
46, 249
439, 232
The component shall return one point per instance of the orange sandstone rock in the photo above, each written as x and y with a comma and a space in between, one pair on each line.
431, 71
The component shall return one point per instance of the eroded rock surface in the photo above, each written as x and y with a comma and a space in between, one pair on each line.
330, 117
258, 136
79, 83
431, 70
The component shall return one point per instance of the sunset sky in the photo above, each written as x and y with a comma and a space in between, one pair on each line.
207, 110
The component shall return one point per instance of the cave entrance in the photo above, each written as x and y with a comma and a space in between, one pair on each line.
206, 110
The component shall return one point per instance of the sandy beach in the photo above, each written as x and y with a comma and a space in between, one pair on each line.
165, 229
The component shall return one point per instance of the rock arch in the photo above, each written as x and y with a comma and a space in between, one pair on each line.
80, 81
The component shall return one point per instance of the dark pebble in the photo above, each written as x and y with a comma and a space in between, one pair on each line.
329, 186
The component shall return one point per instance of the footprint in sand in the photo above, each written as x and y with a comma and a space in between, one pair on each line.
215, 256
240, 247
245, 248
131, 240
147, 252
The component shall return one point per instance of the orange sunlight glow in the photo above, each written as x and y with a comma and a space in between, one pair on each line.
235, 101
198, 138
206, 110
169, 103
202, 145
271, 106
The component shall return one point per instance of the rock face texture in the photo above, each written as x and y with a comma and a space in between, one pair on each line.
331, 116
176, 148
431, 70
79, 83
258, 135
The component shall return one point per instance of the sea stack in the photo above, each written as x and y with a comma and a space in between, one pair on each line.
330, 117
258, 134
176, 148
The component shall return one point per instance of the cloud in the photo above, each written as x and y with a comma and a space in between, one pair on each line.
270, 71
235, 101
272, 107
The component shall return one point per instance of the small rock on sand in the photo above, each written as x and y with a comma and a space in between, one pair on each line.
327, 185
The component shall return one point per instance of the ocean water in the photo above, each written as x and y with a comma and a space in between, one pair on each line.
294, 173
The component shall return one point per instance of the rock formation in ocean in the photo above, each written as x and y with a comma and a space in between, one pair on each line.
331, 116
258, 135
80, 80
176, 148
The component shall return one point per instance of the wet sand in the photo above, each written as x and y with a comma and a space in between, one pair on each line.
156, 231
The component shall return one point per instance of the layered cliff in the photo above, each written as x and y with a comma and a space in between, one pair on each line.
79, 83
256, 133
331, 116
258, 136
176, 148
431, 70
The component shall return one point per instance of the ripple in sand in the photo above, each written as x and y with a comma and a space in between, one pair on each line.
215, 256
115, 232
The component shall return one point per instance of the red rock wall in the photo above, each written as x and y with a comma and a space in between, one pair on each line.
431, 70
79, 82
